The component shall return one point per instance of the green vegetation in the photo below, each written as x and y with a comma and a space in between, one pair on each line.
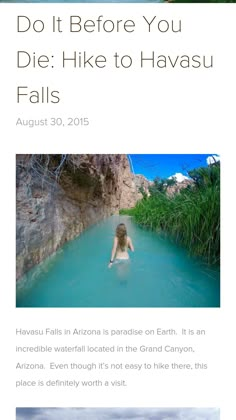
191, 216
127, 212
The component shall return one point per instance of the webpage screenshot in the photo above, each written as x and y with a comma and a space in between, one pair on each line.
117, 212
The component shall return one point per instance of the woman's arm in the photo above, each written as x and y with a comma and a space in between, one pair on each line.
130, 245
113, 252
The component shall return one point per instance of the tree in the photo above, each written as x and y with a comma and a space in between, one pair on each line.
161, 184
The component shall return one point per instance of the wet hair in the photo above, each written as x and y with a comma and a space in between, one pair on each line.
121, 234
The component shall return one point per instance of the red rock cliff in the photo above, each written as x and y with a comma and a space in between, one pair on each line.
58, 196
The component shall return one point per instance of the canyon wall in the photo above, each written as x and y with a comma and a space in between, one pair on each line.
171, 191
58, 196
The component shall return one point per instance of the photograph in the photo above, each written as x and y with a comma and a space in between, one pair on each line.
117, 414
117, 230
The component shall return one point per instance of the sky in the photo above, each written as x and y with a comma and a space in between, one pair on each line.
165, 166
117, 414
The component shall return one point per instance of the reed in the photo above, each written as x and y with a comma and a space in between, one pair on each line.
191, 217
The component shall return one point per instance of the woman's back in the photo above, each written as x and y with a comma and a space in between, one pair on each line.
121, 244
122, 249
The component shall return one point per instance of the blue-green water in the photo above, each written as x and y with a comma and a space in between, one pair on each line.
159, 274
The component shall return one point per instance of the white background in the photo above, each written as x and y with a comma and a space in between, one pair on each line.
141, 111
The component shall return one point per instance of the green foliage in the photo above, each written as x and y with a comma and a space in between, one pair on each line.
126, 212
160, 185
204, 177
143, 192
191, 217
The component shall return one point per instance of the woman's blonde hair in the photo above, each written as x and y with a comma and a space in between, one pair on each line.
121, 234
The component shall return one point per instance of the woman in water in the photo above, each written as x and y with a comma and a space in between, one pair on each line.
121, 244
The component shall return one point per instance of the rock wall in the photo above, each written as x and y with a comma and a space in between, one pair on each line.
175, 189
142, 184
54, 203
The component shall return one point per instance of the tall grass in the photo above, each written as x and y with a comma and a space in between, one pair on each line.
191, 217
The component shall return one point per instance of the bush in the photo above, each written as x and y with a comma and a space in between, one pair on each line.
191, 217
